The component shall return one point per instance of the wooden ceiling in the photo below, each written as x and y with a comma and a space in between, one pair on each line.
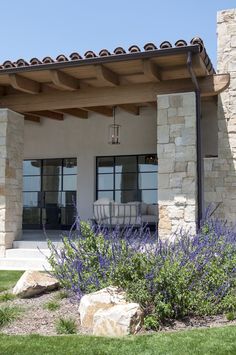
79, 89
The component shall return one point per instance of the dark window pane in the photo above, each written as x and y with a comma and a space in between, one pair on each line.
68, 198
31, 216
31, 183
105, 165
70, 166
126, 181
31, 199
126, 196
31, 167
52, 166
52, 183
105, 182
69, 182
125, 164
68, 216
106, 194
148, 180
51, 215
147, 163
52, 199
149, 196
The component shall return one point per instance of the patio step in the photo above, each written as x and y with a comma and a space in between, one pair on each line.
25, 259
33, 244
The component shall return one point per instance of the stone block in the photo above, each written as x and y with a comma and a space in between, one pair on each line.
163, 102
119, 320
163, 134
102, 299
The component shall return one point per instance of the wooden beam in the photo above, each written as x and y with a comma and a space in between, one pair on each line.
49, 114
32, 118
63, 81
128, 94
101, 110
134, 110
106, 75
23, 84
76, 112
151, 70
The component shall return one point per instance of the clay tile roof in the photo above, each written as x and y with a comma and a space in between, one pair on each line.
48, 60
181, 43
89, 54
61, 58
21, 63
104, 53
35, 61
119, 50
134, 49
149, 47
75, 56
166, 45
8, 64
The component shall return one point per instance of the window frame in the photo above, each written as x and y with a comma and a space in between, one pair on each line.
114, 173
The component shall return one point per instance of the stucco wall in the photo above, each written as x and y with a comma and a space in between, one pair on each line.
88, 138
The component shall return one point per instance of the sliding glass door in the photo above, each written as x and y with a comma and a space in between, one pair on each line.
49, 193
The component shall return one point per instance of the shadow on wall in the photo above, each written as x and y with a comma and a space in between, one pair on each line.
220, 171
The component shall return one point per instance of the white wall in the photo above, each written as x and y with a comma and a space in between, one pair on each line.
88, 138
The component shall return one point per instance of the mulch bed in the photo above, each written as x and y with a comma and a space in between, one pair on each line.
35, 319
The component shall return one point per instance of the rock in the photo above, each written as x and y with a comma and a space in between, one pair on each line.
119, 320
34, 283
102, 299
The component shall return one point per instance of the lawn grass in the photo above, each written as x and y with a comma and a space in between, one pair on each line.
217, 341
8, 279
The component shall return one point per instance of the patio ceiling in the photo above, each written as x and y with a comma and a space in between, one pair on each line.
97, 83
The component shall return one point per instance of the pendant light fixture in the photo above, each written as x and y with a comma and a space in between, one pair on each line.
114, 130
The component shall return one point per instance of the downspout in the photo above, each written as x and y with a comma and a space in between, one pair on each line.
198, 131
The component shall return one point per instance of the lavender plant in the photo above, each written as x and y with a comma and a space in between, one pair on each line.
190, 275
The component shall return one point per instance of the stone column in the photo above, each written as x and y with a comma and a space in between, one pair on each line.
176, 149
11, 158
220, 173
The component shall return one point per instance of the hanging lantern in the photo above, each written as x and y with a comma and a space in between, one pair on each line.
114, 131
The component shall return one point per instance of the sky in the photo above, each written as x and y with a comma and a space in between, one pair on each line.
50, 27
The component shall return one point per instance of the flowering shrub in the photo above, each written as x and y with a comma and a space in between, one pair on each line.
193, 275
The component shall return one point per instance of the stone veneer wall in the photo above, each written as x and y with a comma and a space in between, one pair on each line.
220, 173
176, 149
11, 158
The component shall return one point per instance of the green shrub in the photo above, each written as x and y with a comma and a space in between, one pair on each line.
8, 314
151, 322
6, 296
194, 275
52, 305
66, 326
230, 316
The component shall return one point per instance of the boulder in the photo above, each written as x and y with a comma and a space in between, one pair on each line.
33, 283
119, 320
102, 299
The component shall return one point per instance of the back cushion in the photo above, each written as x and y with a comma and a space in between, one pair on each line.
101, 208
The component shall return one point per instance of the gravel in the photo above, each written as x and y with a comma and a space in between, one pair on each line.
35, 319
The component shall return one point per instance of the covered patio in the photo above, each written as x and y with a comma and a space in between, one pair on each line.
47, 105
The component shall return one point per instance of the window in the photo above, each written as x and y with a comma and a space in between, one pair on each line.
49, 192
127, 178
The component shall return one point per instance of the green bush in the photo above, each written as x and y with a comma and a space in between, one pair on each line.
66, 326
194, 275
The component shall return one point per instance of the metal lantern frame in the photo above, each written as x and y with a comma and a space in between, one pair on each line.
114, 130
